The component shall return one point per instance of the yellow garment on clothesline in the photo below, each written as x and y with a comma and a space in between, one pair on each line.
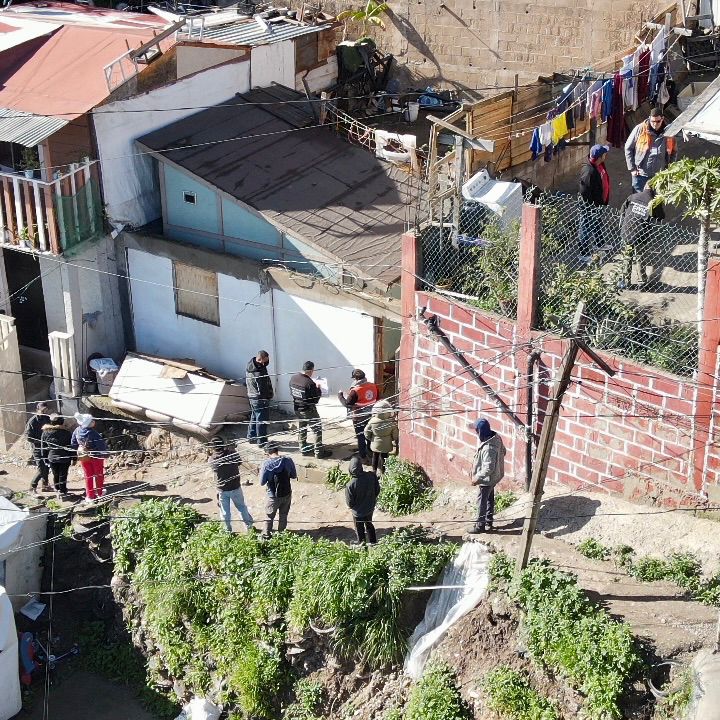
560, 129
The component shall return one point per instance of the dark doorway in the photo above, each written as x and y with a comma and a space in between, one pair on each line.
27, 304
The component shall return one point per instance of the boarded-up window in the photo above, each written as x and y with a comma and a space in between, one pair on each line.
306, 52
196, 293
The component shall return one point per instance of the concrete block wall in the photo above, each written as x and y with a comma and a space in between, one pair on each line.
476, 44
640, 433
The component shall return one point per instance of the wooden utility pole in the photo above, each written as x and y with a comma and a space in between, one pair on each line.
547, 434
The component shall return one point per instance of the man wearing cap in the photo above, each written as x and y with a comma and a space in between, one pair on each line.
594, 189
359, 403
487, 471
225, 464
306, 395
275, 476
647, 150
33, 432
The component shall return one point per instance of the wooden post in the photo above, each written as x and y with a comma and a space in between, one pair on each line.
457, 200
547, 434
529, 268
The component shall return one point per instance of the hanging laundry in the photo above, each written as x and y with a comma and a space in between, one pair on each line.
548, 153
580, 100
592, 89
643, 74
629, 86
560, 129
536, 147
658, 46
596, 105
657, 80
570, 119
607, 99
617, 129
546, 134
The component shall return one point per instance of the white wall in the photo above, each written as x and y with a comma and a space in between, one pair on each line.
332, 337
273, 63
129, 184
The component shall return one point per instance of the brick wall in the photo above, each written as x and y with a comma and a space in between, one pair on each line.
483, 43
640, 433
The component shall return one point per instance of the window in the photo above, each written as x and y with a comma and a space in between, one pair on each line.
189, 197
196, 293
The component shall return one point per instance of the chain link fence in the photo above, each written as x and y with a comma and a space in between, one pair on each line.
636, 274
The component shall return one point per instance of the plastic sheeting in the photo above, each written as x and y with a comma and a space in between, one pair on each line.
705, 702
464, 584
10, 698
199, 709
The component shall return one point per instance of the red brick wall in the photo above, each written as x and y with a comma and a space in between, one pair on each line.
634, 433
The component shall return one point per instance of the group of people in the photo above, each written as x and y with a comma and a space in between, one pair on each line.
647, 152
373, 419
55, 449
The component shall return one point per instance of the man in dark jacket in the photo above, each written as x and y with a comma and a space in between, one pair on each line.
57, 453
260, 393
361, 494
638, 224
33, 431
594, 189
306, 395
359, 403
225, 464
275, 476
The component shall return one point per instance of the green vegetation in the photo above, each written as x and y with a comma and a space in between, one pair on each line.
215, 601
404, 488
675, 704
120, 662
436, 697
593, 549
504, 499
501, 568
511, 695
309, 697
573, 637
336, 478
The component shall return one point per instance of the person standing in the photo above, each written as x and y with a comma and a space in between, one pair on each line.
33, 432
487, 471
57, 452
226, 466
594, 189
361, 494
647, 150
91, 451
260, 393
275, 475
638, 223
382, 434
306, 395
359, 402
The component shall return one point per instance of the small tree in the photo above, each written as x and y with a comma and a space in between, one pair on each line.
369, 15
694, 184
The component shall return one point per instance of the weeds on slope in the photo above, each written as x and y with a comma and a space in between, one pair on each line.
219, 606
570, 635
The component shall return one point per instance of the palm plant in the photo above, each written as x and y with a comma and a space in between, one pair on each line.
369, 15
694, 184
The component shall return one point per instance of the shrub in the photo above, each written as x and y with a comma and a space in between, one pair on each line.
573, 637
309, 697
501, 567
436, 697
593, 549
215, 601
511, 695
623, 555
337, 478
503, 500
650, 569
404, 489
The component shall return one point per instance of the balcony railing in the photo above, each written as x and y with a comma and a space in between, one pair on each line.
50, 216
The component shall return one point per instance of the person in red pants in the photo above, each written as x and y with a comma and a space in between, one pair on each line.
91, 451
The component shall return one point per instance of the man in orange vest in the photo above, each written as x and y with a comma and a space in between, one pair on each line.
647, 150
359, 403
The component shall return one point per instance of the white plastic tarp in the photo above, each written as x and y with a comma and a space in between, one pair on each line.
10, 698
464, 584
705, 700
11, 520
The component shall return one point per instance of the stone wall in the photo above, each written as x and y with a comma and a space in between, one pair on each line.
481, 44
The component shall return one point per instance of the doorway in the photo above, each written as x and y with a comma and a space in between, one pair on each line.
27, 302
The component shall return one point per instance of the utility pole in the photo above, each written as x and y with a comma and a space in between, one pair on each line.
547, 434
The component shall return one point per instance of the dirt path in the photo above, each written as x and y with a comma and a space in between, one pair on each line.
655, 610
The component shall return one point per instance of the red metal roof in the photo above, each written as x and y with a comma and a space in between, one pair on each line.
65, 75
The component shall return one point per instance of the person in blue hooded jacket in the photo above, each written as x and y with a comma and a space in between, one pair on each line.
275, 476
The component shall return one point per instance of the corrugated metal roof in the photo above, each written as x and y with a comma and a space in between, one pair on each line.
249, 32
27, 129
